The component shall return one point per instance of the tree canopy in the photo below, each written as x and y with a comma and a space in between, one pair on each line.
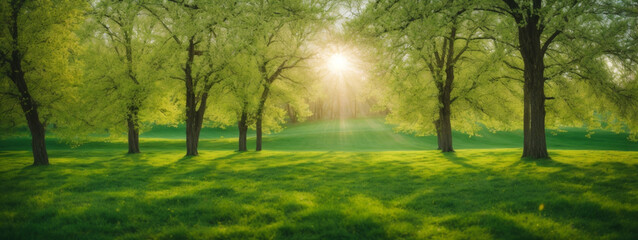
430, 67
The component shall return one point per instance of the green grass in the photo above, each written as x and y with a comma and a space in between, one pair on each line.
98, 192
369, 134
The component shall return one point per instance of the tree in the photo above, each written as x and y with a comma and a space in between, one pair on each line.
438, 58
565, 43
281, 30
239, 104
124, 72
36, 45
240, 101
202, 42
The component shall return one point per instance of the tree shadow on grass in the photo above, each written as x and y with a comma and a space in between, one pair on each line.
461, 161
331, 224
496, 226
307, 196
564, 194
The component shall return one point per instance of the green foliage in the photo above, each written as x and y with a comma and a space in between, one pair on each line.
412, 40
48, 48
278, 36
125, 71
590, 60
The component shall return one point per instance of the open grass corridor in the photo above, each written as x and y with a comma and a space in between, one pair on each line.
97, 191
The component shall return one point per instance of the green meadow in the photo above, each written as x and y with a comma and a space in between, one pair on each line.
132, 119
353, 179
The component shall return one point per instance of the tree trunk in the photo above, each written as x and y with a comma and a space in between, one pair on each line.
28, 105
437, 127
444, 132
132, 120
30, 109
194, 116
258, 130
537, 145
243, 130
260, 116
444, 126
526, 117
38, 144
133, 132
534, 142
192, 136
194, 121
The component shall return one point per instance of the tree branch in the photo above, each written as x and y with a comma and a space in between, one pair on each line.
512, 66
549, 41
163, 24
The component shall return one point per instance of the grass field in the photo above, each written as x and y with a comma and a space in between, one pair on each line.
351, 135
361, 182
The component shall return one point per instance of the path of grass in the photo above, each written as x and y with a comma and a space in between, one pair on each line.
472, 194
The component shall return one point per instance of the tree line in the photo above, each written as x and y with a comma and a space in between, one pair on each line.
470, 63
79, 68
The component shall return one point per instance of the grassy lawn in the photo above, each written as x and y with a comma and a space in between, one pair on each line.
480, 192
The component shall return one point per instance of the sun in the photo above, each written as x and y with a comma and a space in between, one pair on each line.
338, 63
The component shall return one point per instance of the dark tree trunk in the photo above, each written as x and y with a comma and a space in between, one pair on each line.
526, 115
443, 123
28, 105
243, 130
437, 127
133, 132
194, 115
445, 131
30, 109
258, 130
194, 122
131, 119
534, 143
260, 116
38, 144
192, 133
445, 126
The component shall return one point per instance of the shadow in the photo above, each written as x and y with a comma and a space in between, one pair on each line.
187, 160
545, 162
230, 156
453, 158
495, 226
331, 224
318, 195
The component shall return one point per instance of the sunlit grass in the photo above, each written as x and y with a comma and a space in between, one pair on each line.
360, 183
478, 194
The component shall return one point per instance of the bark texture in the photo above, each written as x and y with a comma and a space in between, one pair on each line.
132, 119
532, 51
243, 130
133, 132
444, 84
194, 114
260, 116
27, 103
